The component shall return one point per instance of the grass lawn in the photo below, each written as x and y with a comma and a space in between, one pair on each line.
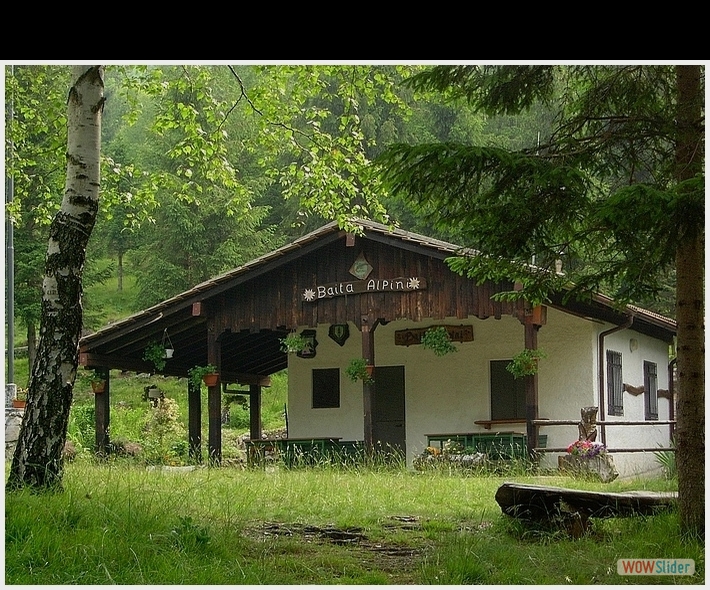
119, 523
124, 522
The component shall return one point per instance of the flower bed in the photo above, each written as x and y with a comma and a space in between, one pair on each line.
588, 459
451, 456
586, 448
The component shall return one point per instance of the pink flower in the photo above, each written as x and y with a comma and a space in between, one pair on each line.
585, 448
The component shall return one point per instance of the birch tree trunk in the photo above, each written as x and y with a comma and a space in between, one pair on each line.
37, 461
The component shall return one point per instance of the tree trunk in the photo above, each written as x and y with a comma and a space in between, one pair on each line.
690, 430
37, 461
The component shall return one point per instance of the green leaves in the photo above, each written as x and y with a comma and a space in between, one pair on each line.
600, 193
491, 89
319, 122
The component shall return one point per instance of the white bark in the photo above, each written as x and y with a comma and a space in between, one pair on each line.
37, 460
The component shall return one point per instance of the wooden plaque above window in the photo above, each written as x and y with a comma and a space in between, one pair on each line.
414, 336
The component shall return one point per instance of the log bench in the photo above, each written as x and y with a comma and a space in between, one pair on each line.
572, 509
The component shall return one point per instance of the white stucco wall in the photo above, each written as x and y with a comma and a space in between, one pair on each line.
448, 394
655, 351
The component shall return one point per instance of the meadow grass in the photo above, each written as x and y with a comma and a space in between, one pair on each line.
116, 522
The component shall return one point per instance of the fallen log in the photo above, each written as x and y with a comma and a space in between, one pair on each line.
550, 504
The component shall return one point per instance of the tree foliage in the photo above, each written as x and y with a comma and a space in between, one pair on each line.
616, 191
598, 193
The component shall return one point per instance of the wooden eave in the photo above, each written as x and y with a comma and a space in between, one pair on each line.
254, 353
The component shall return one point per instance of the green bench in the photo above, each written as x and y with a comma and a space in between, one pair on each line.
302, 451
499, 446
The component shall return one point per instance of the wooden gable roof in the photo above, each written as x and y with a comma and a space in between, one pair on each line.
251, 307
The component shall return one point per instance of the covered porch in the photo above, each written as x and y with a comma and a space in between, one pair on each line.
236, 321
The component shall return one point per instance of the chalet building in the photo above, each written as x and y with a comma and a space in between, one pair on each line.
372, 296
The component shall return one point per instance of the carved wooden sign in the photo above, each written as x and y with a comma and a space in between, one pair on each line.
369, 286
414, 336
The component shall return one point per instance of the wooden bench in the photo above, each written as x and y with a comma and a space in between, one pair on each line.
572, 509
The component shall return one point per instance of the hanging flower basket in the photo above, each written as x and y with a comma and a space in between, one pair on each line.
207, 374
210, 379
167, 345
358, 368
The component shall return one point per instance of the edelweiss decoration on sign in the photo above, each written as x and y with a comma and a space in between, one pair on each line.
369, 286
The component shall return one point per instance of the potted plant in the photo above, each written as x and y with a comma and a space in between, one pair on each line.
438, 340
525, 363
168, 345
204, 374
98, 382
155, 353
294, 343
588, 459
358, 369
20, 400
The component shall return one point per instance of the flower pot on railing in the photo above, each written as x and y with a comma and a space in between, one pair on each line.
19, 403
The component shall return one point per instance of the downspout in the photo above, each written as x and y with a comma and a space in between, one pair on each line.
671, 393
602, 377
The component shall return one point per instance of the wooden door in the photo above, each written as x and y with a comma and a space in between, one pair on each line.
388, 411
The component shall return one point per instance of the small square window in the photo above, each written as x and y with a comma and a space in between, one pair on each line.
326, 388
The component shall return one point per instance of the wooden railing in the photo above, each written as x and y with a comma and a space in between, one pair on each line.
606, 423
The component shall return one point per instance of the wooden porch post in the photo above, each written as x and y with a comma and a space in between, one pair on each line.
368, 388
255, 412
531, 392
102, 413
194, 419
532, 318
214, 399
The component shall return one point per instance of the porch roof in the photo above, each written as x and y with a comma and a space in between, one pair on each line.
247, 354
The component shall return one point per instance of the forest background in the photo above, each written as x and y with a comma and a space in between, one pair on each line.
314, 129
207, 167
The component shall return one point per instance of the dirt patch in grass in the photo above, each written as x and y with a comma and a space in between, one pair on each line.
400, 560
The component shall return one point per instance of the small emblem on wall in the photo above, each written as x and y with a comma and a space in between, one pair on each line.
309, 350
339, 332
361, 268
